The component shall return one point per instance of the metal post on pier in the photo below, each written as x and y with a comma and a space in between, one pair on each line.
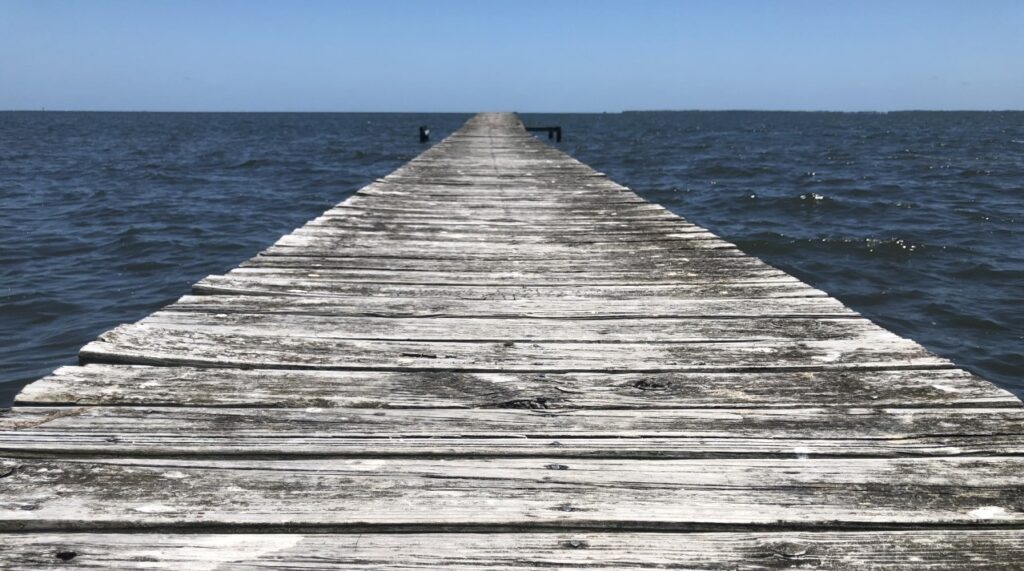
553, 132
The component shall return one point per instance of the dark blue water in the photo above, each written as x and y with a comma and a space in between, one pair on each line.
914, 219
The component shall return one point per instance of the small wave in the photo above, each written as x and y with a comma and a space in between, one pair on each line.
905, 155
721, 170
43, 309
696, 147
886, 187
173, 179
830, 181
985, 272
876, 135
975, 172
147, 266
811, 200
963, 319
252, 164
890, 248
215, 154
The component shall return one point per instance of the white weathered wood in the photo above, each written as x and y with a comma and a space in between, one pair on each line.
523, 330
512, 276
342, 215
392, 494
512, 306
291, 286
365, 218
475, 267
416, 202
152, 345
502, 212
424, 221
448, 433
663, 252
385, 246
269, 388
649, 237
949, 550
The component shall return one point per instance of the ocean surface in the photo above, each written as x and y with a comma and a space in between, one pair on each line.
914, 219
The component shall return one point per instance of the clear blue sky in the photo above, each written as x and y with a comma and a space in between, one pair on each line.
449, 55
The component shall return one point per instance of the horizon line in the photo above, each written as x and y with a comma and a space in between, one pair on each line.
692, 110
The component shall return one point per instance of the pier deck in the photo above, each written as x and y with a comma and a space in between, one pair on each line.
495, 357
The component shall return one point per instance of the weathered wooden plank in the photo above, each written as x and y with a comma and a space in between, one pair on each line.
474, 268
330, 226
425, 221
556, 252
421, 197
461, 166
560, 217
151, 345
641, 211
522, 330
562, 182
377, 274
639, 277
529, 203
234, 285
360, 217
289, 244
381, 494
515, 307
613, 229
341, 236
447, 433
484, 181
108, 441
619, 232
183, 386
647, 216
589, 243
618, 243
417, 201
954, 550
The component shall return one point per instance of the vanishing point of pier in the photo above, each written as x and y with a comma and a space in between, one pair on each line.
495, 357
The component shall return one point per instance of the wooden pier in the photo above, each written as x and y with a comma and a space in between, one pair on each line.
493, 358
